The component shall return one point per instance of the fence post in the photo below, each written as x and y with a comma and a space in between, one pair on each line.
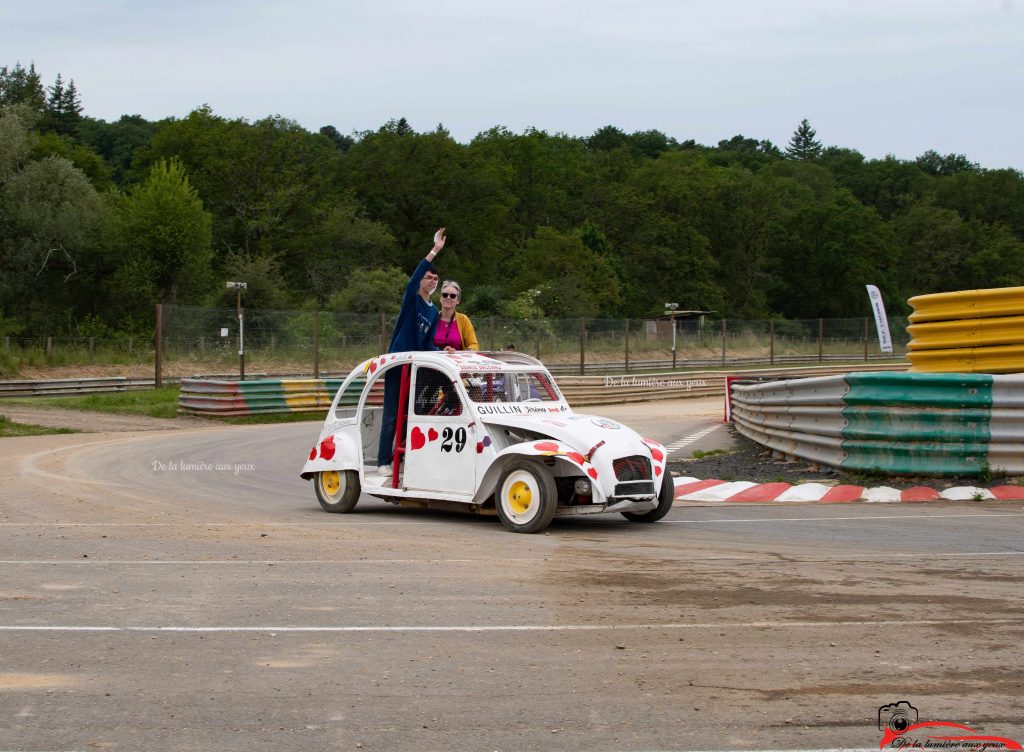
49, 347
7, 343
538, 339
316, 344
158, 379
821, 339
130, 345
626, 369
771, 344
725, 330
381, 349
583, 346
491, 327
865, 339
92, 348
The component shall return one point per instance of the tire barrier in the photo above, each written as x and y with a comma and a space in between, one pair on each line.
896, 423
971, 331
228, 398
223, 398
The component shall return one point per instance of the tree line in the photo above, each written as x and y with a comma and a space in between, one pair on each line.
100, 220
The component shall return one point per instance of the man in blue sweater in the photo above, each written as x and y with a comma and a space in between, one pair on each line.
414, 330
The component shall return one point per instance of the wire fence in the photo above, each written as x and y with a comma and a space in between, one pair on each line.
206, 341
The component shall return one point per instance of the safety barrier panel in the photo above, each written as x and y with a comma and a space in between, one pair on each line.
971, 331
896, 423
223, 397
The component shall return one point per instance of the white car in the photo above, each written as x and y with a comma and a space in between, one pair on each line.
487, 433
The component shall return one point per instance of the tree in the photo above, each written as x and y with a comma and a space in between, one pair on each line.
371, 291
160, 229
48, 215
22, 86
571, 280
340, 241
261, 181
117, 142
936, 164
63, 108
802, 145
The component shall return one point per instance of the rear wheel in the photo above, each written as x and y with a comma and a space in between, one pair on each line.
337, 490
526, 498
666, 496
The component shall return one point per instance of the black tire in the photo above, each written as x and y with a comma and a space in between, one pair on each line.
666, 497
526, 497
337, 490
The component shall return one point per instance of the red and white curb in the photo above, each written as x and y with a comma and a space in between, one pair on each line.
727, 492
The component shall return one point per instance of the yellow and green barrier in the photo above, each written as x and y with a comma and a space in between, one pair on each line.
221, 397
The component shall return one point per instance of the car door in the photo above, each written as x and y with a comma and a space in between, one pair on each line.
440, 452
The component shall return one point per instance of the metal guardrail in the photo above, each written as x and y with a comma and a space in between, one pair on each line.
971, 331
228, 398
60, 387
897, 423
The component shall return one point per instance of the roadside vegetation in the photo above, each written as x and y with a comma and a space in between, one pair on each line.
10, 428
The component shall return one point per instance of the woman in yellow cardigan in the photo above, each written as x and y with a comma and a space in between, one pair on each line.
454, 330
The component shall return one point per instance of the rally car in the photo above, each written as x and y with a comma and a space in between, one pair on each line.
488, 433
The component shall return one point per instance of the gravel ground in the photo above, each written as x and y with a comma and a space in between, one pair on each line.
752, 462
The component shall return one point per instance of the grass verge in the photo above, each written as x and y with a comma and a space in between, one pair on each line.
156, 403
10, 428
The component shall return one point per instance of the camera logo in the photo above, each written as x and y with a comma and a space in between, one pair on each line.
897, 716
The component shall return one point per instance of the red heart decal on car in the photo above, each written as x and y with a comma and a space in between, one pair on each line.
657, 470
592, 472
546, 446
576, 457
327, 448
373, 366
656, 453
312, 453
418, 439
432, 435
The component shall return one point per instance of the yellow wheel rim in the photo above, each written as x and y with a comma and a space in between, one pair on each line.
519, 497
331, 482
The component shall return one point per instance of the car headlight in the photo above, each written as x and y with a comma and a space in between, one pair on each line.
583, 487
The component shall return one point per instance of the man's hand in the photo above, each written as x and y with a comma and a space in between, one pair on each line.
439, 240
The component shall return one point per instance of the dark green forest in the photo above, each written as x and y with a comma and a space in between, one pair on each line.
100, 220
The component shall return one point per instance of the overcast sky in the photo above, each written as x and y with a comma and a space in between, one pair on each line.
880, 76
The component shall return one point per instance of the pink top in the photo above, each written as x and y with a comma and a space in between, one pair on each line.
447, 334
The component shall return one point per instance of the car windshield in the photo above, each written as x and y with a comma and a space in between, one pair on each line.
510, 386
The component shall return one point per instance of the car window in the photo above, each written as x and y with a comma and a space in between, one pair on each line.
435, 394
510, 386
350, 397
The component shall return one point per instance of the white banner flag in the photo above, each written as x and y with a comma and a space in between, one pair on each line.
881, 322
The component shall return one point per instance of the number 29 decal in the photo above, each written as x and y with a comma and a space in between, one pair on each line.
448, 436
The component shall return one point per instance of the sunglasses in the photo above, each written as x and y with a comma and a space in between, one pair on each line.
451, 295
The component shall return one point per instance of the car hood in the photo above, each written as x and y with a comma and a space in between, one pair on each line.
581, 432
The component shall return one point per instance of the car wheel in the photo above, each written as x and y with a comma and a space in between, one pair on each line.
337, 490
666, 496
526, 498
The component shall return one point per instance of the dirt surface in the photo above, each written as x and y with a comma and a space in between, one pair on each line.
752, 462
193, 609
95, 422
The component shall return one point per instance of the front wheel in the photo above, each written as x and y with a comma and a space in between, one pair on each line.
337, 490
666, 496
526, 498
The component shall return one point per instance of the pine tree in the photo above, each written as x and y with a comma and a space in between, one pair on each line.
63, 108
802, 145
21, 86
